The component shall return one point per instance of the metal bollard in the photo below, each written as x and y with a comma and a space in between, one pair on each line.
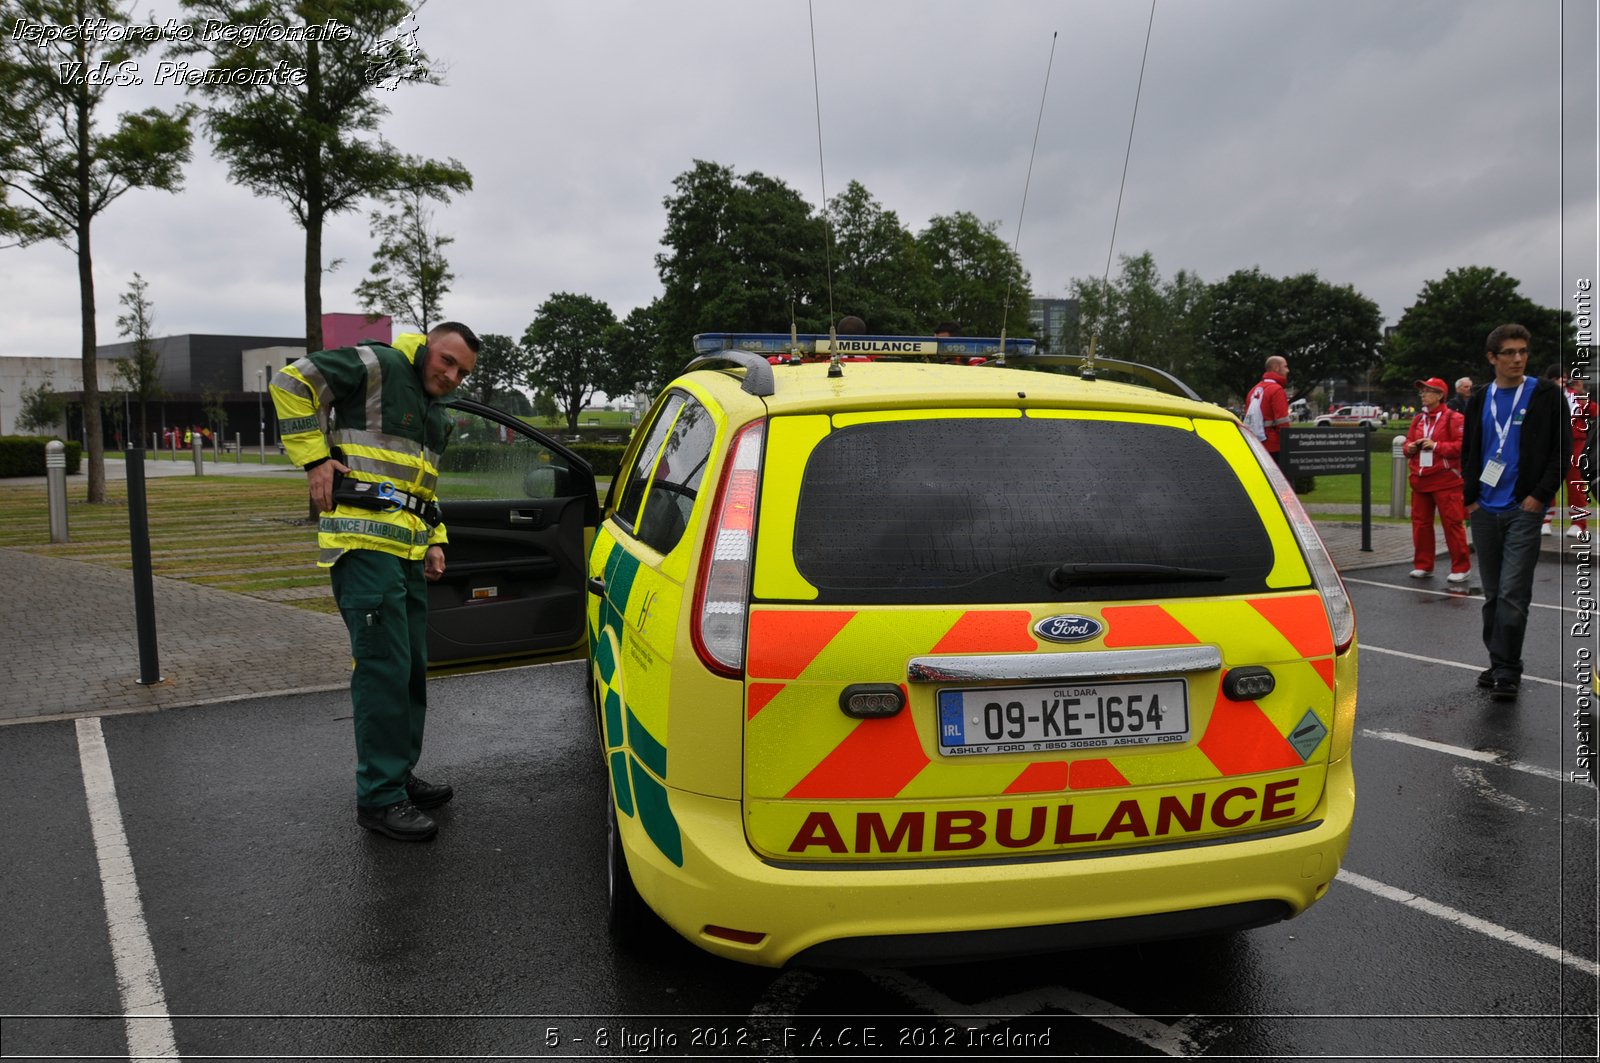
238, 449
1399, 477
197, 447
55, 471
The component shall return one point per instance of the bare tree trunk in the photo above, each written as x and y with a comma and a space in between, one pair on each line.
94, 441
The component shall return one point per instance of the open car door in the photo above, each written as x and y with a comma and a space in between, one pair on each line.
520, 510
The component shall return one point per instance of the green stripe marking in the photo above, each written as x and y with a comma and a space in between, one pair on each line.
645, 746
655, 814
619, 782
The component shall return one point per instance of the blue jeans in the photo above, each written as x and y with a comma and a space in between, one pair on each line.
1507, 543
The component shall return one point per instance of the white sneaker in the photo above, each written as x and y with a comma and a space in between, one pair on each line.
1420, 573
1457, 577
1575, 532
1546, 529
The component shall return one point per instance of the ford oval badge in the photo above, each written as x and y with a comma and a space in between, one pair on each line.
1068, 628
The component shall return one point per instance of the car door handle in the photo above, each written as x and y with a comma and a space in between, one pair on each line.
519, 517
597, 586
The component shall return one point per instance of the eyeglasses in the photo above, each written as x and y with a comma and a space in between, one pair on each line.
1511, 352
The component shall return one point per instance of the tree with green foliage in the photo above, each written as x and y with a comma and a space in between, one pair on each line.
213, 403
977, 279
1138, 317
566, 345
544, 406
42, 408
639, 351
140, 374
879, 273
409, 275
502, 365
64, 172
744, 254
1445, 332
305, 140
1326, 331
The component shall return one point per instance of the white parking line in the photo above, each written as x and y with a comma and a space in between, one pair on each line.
1365, 648
1479, 755
144, 1006
1471, 922
1447, 594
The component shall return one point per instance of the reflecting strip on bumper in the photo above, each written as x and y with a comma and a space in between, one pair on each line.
1011, 667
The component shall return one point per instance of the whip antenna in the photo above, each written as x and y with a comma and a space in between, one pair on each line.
834, 367
1005, 310
1105, 280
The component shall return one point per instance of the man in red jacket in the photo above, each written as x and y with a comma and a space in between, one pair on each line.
1433, 450
1267, 406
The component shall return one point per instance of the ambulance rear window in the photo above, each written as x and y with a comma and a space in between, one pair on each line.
978, 510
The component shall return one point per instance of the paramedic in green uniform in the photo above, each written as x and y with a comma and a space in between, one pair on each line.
369, 426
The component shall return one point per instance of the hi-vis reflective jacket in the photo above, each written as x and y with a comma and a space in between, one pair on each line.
387, 430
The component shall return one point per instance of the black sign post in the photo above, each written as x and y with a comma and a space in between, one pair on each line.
1332, 452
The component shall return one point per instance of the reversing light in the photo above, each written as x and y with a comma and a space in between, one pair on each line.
870, 701
722, 597
1248, 684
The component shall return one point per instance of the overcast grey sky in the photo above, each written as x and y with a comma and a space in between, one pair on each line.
1376, 142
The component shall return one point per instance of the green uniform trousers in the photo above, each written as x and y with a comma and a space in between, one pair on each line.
384, 600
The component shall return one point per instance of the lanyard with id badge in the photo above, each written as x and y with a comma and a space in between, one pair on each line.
1494, 468
1424, 454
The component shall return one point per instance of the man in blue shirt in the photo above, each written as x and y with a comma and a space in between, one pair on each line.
1511, 460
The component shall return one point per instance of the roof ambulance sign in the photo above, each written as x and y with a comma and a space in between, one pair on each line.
870, 345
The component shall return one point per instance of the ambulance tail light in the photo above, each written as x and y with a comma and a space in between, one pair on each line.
722, 597
1341, 616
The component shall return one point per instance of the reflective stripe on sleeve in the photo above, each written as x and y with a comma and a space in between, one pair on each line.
374, 386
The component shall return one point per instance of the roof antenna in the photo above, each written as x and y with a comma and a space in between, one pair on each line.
1005, 310
1105, 281
835, 369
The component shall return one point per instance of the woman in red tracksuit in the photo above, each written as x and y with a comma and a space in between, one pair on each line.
1433, 451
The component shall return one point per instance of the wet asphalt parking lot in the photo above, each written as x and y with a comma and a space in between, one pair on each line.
251, 919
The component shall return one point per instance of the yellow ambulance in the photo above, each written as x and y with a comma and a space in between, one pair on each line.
897, 659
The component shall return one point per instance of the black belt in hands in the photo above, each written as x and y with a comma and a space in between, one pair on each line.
383, 496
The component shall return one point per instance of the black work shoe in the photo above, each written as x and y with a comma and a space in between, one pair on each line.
401, 820
1486, 679
1504, 690
428, 794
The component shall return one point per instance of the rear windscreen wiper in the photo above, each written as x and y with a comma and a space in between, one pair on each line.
1069, 574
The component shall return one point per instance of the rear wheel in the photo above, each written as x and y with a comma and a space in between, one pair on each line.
627, 916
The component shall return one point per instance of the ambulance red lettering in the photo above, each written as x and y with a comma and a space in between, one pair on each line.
1219, 811
1278, 793
1003, 832
1127, 818
1064, 827
818, 829
907, 831
1172, 809
958, 830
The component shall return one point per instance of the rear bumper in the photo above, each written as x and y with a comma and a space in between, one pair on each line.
851, 916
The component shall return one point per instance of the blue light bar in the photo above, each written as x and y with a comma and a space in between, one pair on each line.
817, 345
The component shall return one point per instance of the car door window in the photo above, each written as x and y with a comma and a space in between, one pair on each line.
486, 460
637, 478
667, 473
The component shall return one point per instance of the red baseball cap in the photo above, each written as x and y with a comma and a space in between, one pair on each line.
1433, 383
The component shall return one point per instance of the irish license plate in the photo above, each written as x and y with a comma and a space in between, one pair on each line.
1089, 715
